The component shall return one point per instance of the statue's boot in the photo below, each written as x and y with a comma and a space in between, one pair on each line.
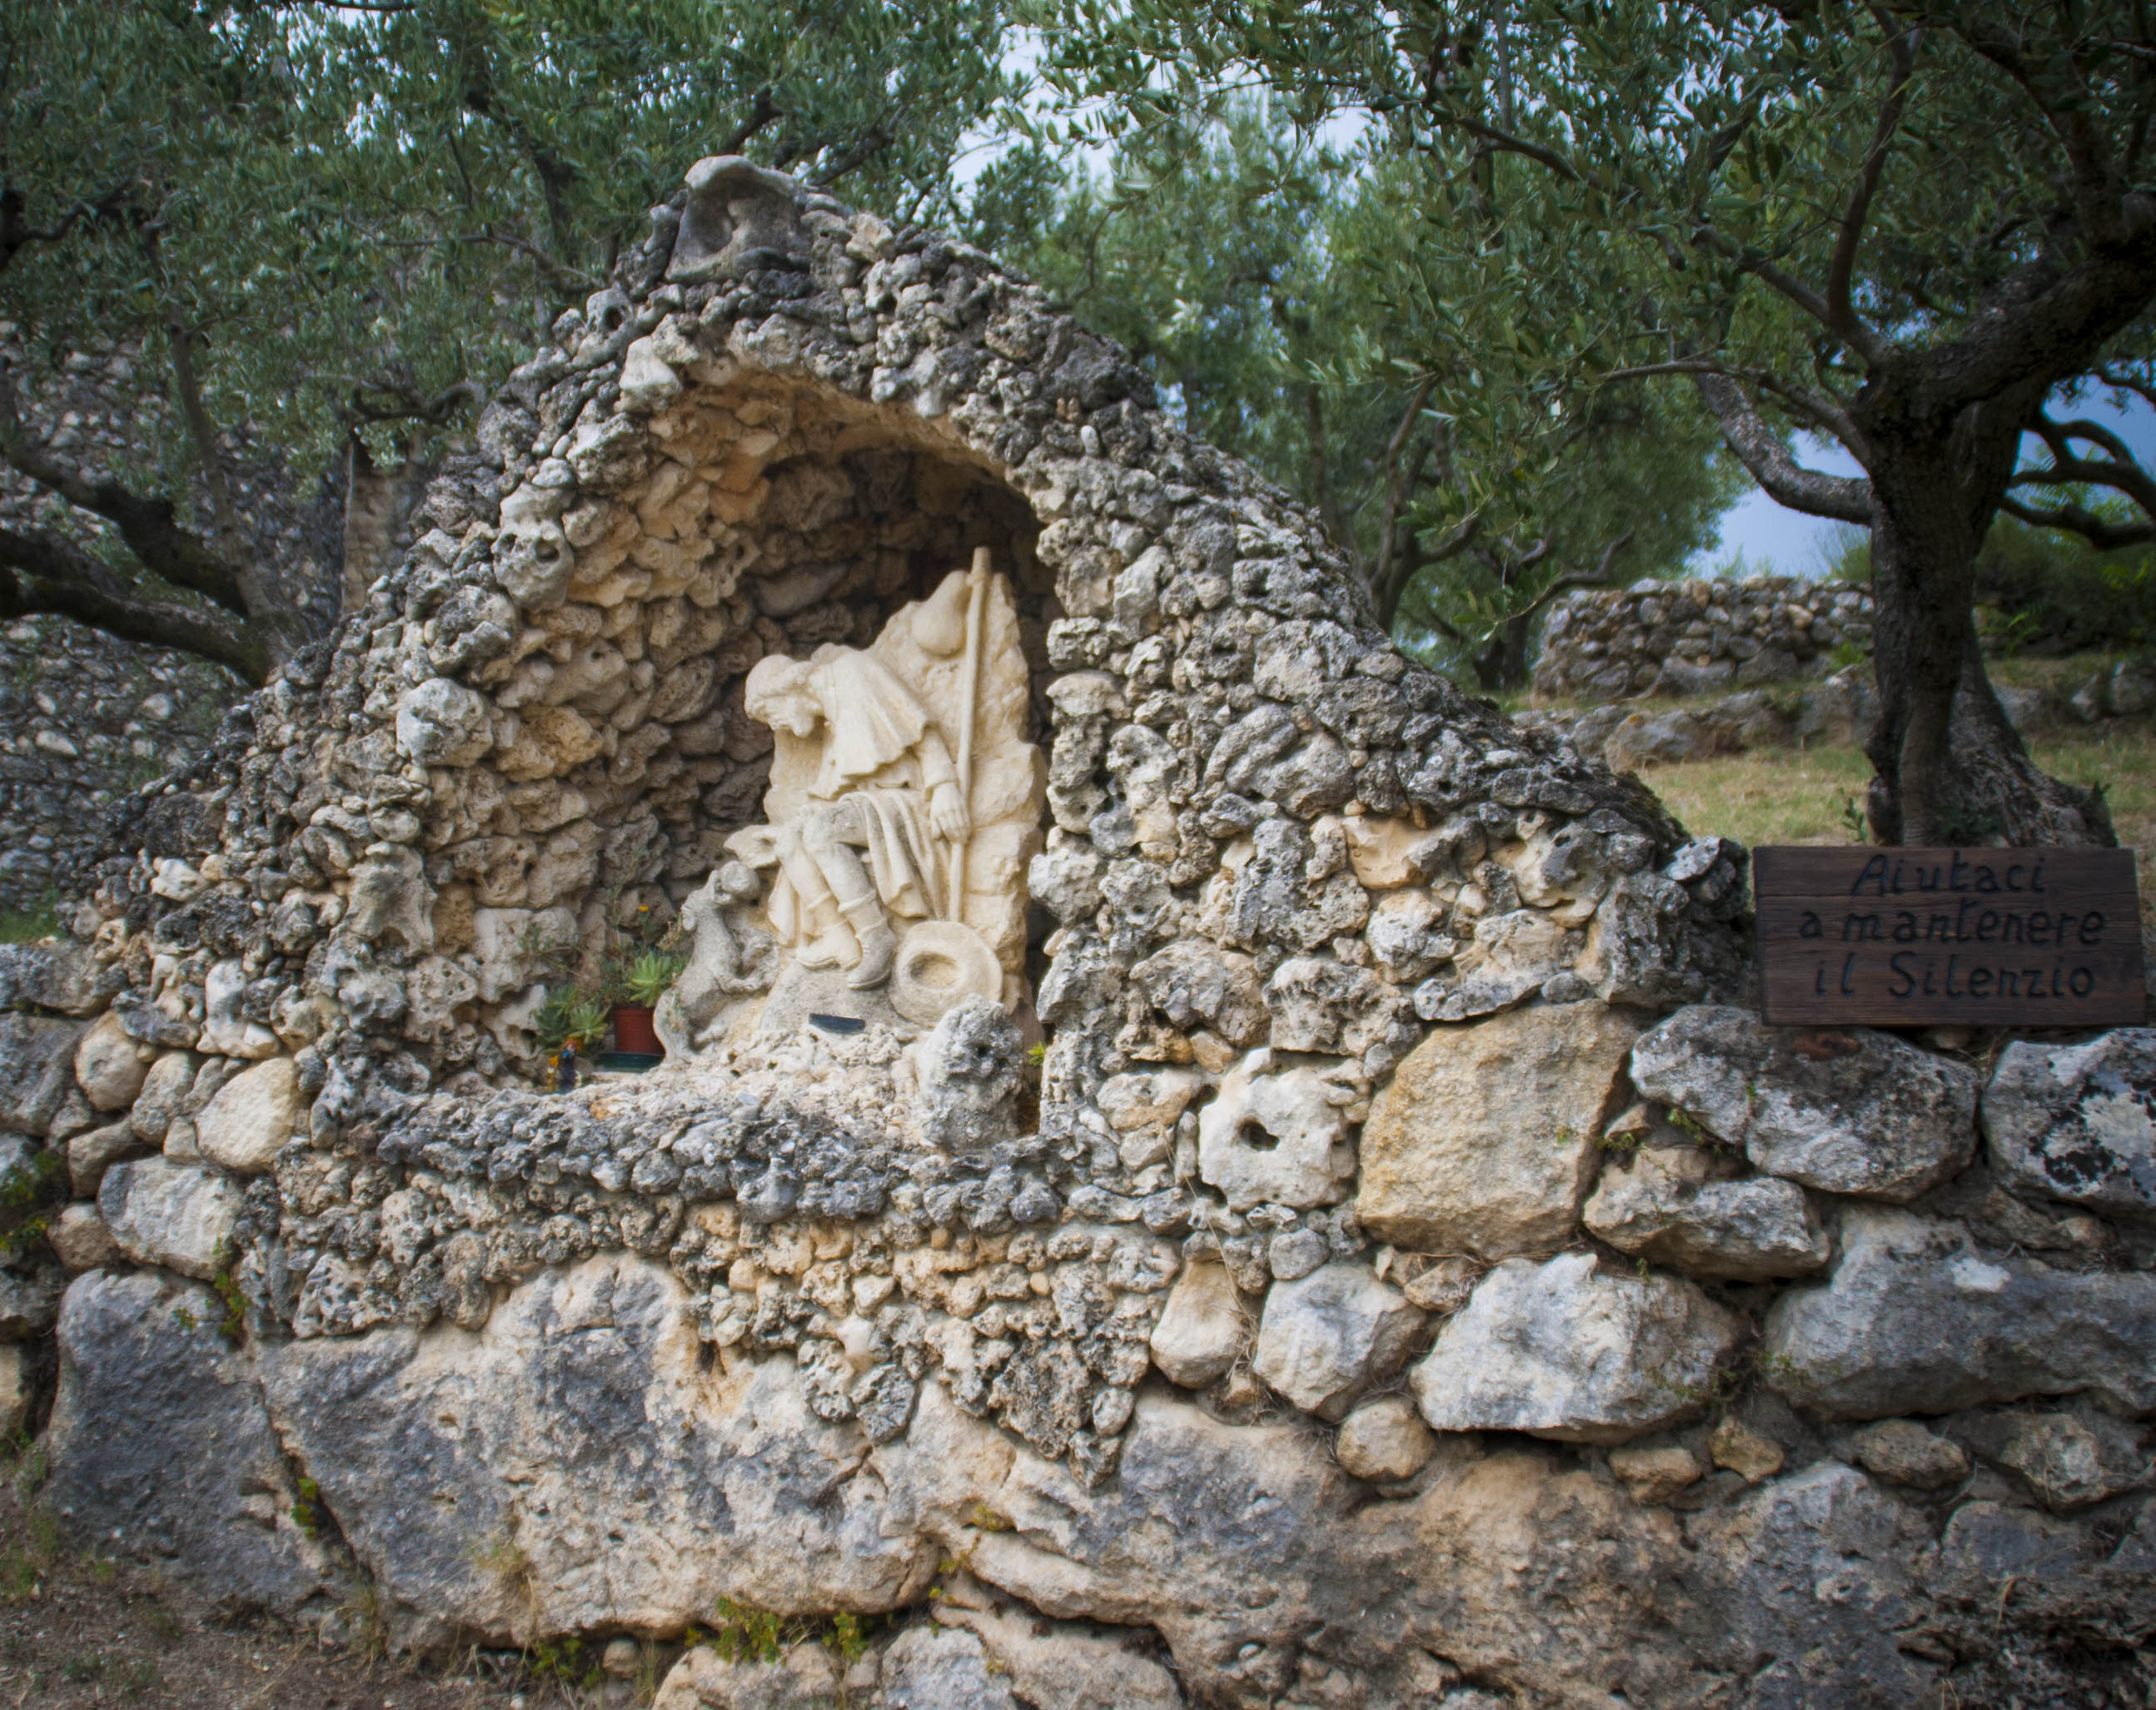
879, 943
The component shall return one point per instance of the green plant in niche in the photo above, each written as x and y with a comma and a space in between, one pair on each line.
647, 975
569, 1015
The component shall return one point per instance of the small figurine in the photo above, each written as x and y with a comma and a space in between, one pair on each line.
565, 1068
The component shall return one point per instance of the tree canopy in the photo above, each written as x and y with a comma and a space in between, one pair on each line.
323, 221
1910, 227
1284, 291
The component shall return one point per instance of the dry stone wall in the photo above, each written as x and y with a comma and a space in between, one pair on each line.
84, 721
1371, 1254
1699, 637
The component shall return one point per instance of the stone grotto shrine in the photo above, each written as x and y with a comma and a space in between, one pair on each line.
1196, 1164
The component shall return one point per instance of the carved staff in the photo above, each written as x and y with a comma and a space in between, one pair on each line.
977, 589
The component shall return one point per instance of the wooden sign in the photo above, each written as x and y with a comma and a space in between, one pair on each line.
2020, 938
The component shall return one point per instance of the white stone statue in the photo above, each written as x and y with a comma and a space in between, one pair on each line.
866, 841
905, 804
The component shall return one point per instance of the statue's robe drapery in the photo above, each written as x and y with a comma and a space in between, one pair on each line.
875, 760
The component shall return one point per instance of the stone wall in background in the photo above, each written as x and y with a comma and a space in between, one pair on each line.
85, 719
1695, 637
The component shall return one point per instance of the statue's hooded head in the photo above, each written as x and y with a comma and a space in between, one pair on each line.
779, 693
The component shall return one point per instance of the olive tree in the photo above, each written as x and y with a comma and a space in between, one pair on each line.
319, 233
1912, 228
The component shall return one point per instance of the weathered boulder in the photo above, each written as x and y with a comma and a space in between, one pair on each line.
1655, 1473
96, 1150
1849, 1111
1202, 1328
1326, 1337
1656, 739
1558, 1350
929, 1667
252, 1115
1484, 1140
2078, 1122
1817, 1574
58, 973
165, 1087
37, 1069
109, 1065
805, 1679
1384, 1440
969, 1076
160, 1448
80, 1241
1916, 1319
178, 1215
1072, 1666
1735, 1447
2069, 1459
1665, 1205
1902, 1451
571, 1465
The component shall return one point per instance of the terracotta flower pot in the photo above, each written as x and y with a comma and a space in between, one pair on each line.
632, 1030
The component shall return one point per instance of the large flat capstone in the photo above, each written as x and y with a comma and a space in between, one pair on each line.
1847, 1110
1915, 1318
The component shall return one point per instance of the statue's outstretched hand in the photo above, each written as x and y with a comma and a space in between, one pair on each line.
947, 812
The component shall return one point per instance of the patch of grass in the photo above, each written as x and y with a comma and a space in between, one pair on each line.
1812, 795
41, 919
23, 1567
366, 1618
743, 1634
1770, 796
2122, 757
566, 1660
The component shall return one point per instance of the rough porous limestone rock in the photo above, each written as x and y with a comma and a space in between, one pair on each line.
1274, 1136
160, 1445
558, 1408
1384, 1440
1818, 1572
2070, 1460
1915, 1318
1324, 1338
1849, 1111
2078, 1123
1202, 1330
927, 1667
1735, 1447
803, 1679
1484, 1140
1666, 1204
1563, 1351
181, 1216
245, 1126
96, 1150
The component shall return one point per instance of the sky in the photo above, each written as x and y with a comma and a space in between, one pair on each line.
1789, 543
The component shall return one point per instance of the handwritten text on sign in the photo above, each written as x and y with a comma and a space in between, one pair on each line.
2031, 938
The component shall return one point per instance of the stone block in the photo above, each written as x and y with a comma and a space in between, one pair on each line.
1484, 1140
1846, 1110
1563, 1351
